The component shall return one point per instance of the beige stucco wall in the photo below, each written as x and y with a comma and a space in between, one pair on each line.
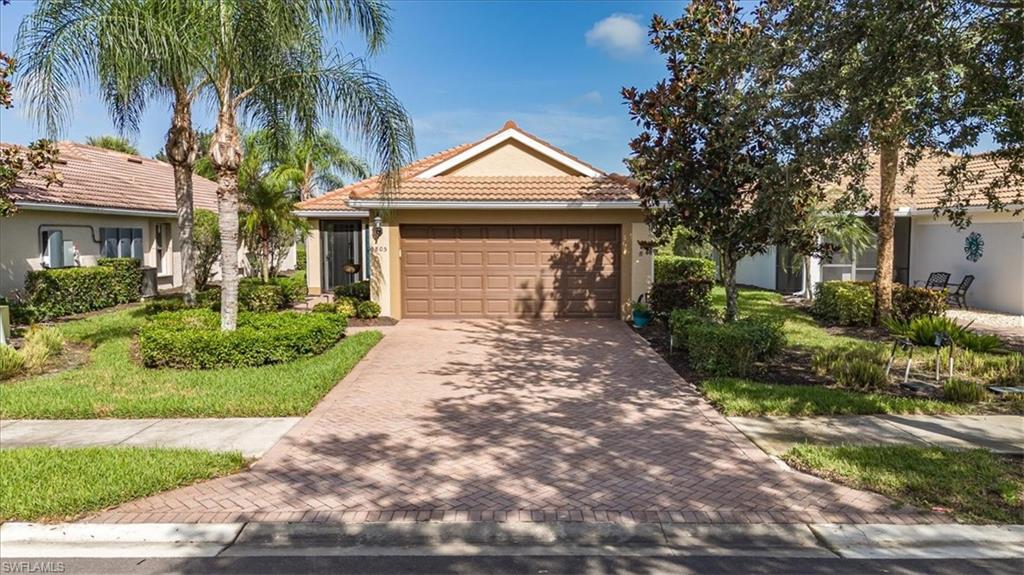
637, 266
20, 242
510, 159
999, 274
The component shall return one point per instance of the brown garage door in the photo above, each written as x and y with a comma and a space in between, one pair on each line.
510, 271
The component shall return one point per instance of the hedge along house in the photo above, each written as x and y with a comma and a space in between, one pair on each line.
505, 227
991, 249
110, 204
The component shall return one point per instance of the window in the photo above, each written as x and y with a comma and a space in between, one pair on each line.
121, 243
163, 238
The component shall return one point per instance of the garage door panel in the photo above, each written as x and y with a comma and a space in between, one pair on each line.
510, 271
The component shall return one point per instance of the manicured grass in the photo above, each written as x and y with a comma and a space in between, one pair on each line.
45, 483
800, 328
747, 398
976, 486
113, 384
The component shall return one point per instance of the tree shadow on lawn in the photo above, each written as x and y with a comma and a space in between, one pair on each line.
554, 415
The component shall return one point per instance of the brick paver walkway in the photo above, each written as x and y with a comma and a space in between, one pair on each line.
514, 421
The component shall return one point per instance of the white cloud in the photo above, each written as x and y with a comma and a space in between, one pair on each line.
620, 35
592, 97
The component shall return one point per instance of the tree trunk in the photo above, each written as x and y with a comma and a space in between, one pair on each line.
306, 189
265, 271
808, 288
889, 157
729, 278
181, 154
226, 156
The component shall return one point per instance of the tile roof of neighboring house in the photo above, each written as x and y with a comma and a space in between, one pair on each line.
929, 183
99, 178
611, 187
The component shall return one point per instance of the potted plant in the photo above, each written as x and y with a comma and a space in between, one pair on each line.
641, 313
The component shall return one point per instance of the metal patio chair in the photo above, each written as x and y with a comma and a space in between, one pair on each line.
936, 280
958, 296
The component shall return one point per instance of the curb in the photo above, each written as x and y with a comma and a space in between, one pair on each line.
511, 539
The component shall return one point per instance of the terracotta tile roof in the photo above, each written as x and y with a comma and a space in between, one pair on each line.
609, 187
929, 183
96, 177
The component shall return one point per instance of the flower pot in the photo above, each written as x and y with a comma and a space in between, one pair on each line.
641, 319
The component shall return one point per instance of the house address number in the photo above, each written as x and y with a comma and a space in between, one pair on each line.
379, 249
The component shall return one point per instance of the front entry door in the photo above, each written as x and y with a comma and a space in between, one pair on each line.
789, 271
343, 254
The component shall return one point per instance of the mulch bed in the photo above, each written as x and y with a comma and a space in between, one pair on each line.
373, 322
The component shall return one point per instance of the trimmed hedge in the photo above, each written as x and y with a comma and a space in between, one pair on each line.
260, 297
192, 339
359, 290
727, 349
852, 303
681, 283
54, 293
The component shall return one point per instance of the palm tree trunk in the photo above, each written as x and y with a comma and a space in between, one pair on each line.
731, 292
226, 156
306, 189
181, 154
889, 157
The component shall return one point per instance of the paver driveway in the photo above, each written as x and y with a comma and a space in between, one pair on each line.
514, 421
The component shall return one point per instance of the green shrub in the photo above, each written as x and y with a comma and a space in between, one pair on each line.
293, 288
681, 321
192, 339
827, 360
843, 303
300, 256
359, 290
368, 309
681, 283
209, 298
913, 302
163, 304
206, 245
861, 374
11, 362
325, 307
260, 297
963, 391
21, 313
61, 292
127, 286
980, 342
676, 268
733, 348
347, 306
924, 329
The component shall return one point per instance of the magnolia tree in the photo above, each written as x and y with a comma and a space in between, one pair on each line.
716, 152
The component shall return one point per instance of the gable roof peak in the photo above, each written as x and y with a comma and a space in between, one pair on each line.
510, 125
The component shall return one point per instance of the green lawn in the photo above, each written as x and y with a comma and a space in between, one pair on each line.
976, 486
113, 384
801, 329
747, 398
44, 483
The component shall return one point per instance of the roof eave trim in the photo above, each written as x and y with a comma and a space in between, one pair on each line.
355, 214
500, 137
75, 208
494, 205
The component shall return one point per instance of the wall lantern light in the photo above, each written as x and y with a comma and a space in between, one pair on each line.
378, 230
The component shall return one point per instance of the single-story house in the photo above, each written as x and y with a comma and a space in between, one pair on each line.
508, 226
991, 249
109, 204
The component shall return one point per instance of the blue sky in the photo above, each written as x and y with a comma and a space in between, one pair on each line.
462, 69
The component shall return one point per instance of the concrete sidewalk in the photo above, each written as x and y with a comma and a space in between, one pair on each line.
252, 436
998, 433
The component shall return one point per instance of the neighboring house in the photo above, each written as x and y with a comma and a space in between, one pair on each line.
923, 244
110, 204
508, 226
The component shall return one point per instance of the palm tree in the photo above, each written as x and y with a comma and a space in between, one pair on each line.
115, 143
122, 45
847, 233
264, 60
317, 164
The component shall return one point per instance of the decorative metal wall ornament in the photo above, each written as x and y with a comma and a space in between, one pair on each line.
974, 246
